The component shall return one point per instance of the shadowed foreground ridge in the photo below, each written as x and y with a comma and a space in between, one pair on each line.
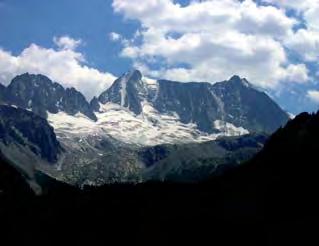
271, 200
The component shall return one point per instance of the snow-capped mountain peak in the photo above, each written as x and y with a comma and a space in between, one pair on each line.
136, 121
144, 111
128, 91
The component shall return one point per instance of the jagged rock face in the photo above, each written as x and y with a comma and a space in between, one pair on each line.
144, 129
2, 93
234, 101
247, 107
94, 104
193, 102
18, 126
75, 102
128, 91
39, 94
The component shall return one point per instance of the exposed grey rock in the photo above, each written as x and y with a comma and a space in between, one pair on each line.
19, 126
235, 101
99, 158
2, 93
94, 104
128, 91
39, 94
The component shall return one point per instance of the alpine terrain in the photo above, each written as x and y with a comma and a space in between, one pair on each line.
138, 129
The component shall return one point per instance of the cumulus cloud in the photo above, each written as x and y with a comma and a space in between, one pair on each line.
306, 43
115, 36
299, 5
314, 95
67, 43
212, 40
297, 73
64, 65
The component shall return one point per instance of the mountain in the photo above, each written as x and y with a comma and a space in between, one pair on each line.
2, 93
12, 183
142, 111
25, 128
269, 200
197, 161
247, 107
288, 162
139, 129
128, 91
28, 142
39, 94
209, 106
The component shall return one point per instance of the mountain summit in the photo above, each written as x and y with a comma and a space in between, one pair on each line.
138, 129
128, 91
231, 107
209, 106
42, 96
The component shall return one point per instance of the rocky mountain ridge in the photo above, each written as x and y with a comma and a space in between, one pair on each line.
139, 129
209, 107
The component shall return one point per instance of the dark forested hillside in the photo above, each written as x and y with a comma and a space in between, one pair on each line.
270, 200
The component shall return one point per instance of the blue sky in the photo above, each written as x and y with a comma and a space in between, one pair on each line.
86, 44
37, 21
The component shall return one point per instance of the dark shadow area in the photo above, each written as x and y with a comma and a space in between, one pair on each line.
271, 200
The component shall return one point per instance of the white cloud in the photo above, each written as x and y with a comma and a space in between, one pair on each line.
305, 43
115, 36
307, 8
214, 39
67, 43
65, 66
311, 16
314, 95
299, 5
297, 73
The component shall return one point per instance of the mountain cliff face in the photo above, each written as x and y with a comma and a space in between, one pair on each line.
245, 106
204, 104
231, 107
127, 91
2, 93
18, 126
39, 94
28, 142
138, 129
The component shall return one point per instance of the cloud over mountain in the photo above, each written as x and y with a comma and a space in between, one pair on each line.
211, 40
64, 64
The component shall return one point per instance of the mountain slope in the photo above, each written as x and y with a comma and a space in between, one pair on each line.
127, 91
39, 94
12, 183
247, 107
18, 126
234, 102
142, 111
131, 121
288, 160
31, 145
2, 93
27, 142
197, 161
262, 202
